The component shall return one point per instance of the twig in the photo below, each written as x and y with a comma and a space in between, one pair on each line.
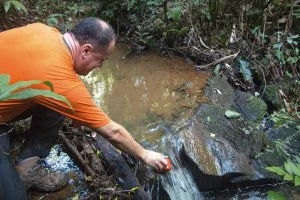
199, 67
110, 191
252, 52
265, 82
197, 35
75, 152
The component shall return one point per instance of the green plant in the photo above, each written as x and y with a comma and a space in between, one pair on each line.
62, 14
285, 49
272, 195
283, 118
53, 19
245, 69
20, 90
17, 5
259, 35
290, 171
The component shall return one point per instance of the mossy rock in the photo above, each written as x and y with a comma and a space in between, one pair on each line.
251, 107
271, 96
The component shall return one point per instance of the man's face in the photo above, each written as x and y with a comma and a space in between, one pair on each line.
89, 59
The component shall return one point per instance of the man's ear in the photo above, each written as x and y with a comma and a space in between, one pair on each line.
86, 49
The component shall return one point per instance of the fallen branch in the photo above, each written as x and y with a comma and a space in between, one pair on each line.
200, 67
93, 159
78, 156
109, 191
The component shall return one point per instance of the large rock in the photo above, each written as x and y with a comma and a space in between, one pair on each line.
221, 151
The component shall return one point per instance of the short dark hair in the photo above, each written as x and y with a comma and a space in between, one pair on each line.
94, 31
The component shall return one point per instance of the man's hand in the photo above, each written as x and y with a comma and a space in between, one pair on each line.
122, 139
155, 160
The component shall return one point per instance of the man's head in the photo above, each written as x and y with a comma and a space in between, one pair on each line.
96, 41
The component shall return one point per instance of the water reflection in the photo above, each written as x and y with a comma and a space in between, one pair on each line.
137, 91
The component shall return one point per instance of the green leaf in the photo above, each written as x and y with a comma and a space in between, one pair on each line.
292, 60
277, 170
288, 167
217, 69
29, 93
278, 45
230, 114
295, 169
98, 153
52, 21
7, 6
18, 6
175, 13
279, 54
288, 177
19, 85
4, 80
134, 188
294, 36
49, 84
298, 161
76, 197
297, 181
272, 195
244, 69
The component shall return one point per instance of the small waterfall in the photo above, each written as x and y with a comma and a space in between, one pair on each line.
178, 183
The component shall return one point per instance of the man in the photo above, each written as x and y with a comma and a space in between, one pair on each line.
39, 52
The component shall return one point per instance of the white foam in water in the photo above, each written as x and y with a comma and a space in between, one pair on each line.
179, 185
178, 182
59, 160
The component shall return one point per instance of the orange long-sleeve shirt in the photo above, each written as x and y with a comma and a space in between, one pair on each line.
38, 52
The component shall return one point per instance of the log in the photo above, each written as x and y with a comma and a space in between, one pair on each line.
77, 155
117, 166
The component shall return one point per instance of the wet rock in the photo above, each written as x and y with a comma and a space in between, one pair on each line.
221, 151
220, 92
222, 145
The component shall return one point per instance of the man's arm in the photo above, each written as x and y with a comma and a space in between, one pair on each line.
121, 139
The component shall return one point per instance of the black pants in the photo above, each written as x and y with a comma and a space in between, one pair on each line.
39, 139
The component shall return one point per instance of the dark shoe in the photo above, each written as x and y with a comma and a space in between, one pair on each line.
35, 174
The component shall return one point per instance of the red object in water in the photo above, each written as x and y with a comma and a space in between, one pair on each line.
168, 167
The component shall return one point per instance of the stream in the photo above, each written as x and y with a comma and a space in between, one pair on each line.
146, 93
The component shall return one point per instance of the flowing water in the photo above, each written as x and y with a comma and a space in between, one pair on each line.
178, 183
